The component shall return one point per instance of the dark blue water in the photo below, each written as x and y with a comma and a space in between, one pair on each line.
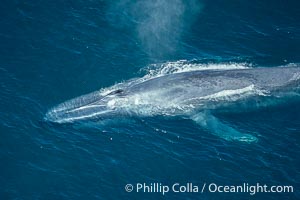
51, 51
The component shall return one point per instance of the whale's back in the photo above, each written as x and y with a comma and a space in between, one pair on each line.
207, 82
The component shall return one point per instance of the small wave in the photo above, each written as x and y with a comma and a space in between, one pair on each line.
179, 66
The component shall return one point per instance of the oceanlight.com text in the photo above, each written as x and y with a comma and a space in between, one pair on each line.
188, 187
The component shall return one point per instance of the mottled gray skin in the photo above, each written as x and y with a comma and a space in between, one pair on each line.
202, 83
182, 89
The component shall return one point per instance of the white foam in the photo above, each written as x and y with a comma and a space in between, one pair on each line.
232, 95
227, 93
186, 66
295, 77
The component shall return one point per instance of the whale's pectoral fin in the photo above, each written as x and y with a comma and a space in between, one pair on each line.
218, 128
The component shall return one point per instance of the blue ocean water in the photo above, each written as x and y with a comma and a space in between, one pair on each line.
52, 51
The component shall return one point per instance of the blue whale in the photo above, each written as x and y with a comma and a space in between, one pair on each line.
196, 94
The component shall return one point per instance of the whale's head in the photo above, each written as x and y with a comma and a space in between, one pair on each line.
95, 105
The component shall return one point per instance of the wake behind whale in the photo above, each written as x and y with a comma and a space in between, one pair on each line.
184, 89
